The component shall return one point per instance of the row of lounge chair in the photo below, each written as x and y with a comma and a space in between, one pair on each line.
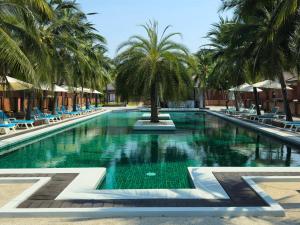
242, 112
251, 114
11, 124
8, 124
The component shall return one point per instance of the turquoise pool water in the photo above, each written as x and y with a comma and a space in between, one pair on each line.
152, 160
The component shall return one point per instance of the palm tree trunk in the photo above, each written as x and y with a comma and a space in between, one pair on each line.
106, 96
22, 102
67, 105
236, 101
154, 100
201, 98
29, 105
256, 101
90, 99
227, 99
96, 100
75, 102
81, 98
195, 101
54, 104
86, 101
287, 108
204, 98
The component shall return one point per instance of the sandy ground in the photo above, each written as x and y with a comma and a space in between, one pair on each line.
285, 193
9, 191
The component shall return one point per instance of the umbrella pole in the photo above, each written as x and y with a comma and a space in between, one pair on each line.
287, 108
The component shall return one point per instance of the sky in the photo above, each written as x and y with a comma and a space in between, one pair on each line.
117, 20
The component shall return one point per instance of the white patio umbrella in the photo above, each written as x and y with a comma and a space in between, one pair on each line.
270, 84
249, 89
97, 92
238, 88
87, 90
56, 88
244, 88
90, 91
15, 85
71, 89
80, 89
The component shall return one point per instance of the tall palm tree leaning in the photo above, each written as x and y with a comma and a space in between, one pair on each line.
154, 66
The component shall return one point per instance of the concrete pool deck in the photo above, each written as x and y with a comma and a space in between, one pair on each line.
72, 193
285, 193
162, 116
162, 125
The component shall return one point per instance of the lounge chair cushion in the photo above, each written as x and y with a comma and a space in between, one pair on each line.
8, 125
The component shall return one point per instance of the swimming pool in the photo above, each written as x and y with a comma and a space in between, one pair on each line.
136, 160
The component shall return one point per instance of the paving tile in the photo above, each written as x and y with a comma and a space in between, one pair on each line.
45, 204
238, 190
108, 205
36, 203
66, 204
56, 204
98, 204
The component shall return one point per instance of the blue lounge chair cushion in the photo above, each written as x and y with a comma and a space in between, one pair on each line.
8, 125
292, 123
23, 121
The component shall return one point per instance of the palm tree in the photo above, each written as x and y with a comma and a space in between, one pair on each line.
76, 51
202, 69
229, 64
267, 27
18, 34
21, 50
155, 66
52, 42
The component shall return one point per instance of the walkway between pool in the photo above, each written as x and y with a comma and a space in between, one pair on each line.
72, 193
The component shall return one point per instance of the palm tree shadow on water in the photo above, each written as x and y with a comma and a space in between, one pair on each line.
154, 149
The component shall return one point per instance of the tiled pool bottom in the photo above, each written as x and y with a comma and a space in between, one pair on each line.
151, 160
148, 176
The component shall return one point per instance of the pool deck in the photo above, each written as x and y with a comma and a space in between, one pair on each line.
72, 193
